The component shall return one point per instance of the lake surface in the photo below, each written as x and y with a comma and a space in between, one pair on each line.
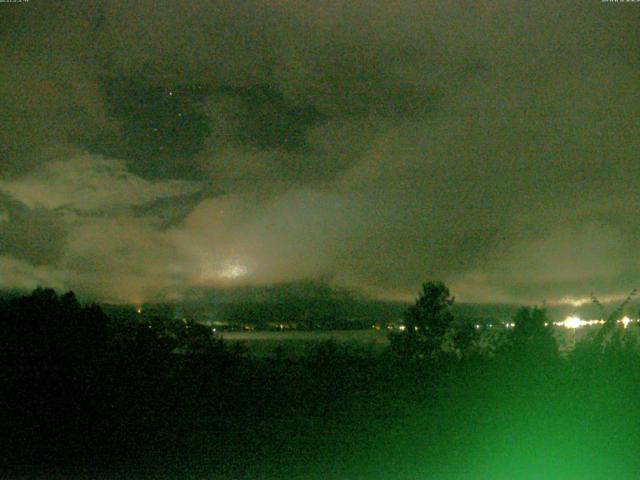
298, 342
263, 343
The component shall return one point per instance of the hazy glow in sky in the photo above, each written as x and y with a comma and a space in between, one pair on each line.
233, 271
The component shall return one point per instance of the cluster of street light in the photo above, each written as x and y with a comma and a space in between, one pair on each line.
572, 322
576, 322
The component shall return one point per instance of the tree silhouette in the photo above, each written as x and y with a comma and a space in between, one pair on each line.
611, 336
51, 349
532, 334
426, 322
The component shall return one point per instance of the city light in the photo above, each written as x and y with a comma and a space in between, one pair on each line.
572, 322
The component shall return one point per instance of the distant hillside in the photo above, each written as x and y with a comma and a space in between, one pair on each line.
302, 305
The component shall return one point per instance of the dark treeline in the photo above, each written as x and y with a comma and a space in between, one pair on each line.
446, 400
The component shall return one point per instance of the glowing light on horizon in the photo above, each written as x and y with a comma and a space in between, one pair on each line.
233, 271
572, 322
576, 322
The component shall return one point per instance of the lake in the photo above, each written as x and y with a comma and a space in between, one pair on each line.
262, 343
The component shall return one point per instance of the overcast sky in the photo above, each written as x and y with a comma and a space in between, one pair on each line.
148, 148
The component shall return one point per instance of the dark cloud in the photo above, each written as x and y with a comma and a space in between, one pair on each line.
36, 235
380, 143
168, 212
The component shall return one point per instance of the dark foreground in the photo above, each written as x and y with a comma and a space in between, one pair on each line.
125, 405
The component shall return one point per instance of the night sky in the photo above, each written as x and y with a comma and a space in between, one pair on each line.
149, 149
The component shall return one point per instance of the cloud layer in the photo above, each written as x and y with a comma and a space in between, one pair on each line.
155, 148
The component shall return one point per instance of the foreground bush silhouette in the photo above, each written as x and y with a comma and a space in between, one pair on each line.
50, 351
532, 336
160, 394
77, 382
